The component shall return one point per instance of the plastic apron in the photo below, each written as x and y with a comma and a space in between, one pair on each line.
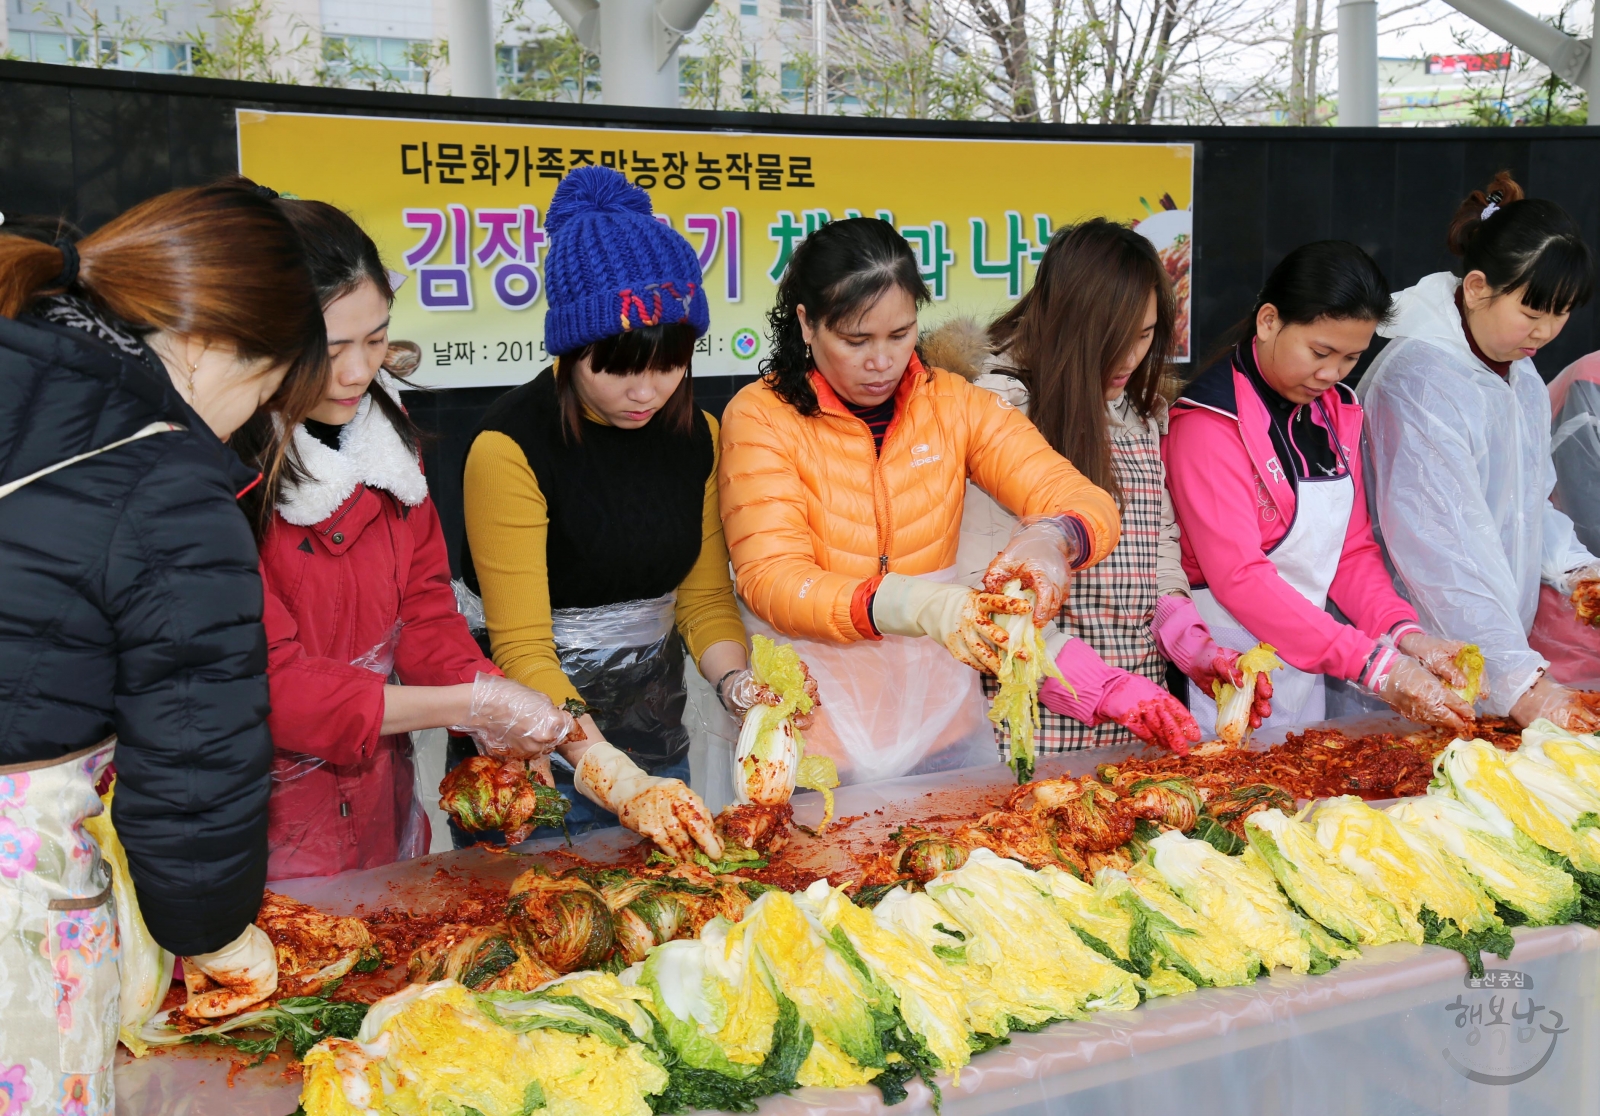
897, 706
310, 844
1307, 558
626, 661
59, 990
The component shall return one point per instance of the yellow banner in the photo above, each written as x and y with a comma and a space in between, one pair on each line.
458, 208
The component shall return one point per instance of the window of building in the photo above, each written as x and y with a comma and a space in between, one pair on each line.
793, 82
748, 8
77, 50
362, 59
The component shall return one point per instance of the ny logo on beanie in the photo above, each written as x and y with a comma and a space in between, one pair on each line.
612, 267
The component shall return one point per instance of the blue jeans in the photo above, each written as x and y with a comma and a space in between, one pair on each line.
583, 817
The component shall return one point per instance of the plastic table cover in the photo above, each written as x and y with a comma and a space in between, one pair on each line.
1400, 1031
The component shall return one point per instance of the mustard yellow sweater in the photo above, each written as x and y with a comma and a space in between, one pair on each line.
508, 523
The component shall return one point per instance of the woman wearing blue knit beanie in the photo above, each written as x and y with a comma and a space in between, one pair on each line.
592, 516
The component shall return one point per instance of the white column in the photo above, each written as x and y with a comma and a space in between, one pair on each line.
1358, 64
472, 64
819, 22
628, 71
1591, 83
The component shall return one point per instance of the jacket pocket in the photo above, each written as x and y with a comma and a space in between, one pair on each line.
82, 944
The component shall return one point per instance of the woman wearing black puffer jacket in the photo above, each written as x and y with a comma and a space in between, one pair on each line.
130, 611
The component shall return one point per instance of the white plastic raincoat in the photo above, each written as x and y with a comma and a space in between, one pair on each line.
1459, 479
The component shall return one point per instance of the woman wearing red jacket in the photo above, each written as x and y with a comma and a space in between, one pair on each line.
357, 584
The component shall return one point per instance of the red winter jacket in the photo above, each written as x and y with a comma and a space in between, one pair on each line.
350, 554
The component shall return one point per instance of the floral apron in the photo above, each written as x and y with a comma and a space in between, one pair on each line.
1110, 605
59, 946
59, 1009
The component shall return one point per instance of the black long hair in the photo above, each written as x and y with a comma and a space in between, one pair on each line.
658, 348
341, 256
1527, 244
1324, 279
837, 273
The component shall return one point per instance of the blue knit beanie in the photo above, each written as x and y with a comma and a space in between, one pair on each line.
612, 267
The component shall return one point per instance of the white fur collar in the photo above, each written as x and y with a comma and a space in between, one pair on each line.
370, 452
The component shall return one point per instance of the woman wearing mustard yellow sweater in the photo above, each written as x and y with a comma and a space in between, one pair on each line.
592, 515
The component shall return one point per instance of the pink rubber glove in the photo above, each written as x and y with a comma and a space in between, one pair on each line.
1105, 693
1184, 640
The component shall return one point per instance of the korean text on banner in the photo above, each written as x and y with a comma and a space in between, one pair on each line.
458, 208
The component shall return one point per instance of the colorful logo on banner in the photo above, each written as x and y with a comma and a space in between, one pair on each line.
458, 208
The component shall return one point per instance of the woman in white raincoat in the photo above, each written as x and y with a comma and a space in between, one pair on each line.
1458, 437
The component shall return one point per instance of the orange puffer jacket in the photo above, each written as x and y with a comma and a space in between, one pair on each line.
810, 511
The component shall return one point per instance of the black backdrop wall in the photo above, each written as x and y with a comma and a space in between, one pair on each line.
86, 144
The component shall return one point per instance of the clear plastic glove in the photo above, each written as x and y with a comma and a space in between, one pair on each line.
664, 810
1566, 707
1041, 553
740, 692
1586, 594
239, 975
508, 720
1412, 691
1439, 656
1184, 640
958, 617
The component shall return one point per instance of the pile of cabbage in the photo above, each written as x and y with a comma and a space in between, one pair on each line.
814, 989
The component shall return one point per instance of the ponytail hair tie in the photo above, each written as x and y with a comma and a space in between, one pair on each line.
69, 263
267, 192
1493, 207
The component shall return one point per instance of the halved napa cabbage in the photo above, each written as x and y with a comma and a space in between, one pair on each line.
1320, 886
1513, 869
1021, 947
1243, 899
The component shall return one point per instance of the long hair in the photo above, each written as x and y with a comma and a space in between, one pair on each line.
1526, 244
341, 256
218, 262
657, 348
1067, 336
837, 273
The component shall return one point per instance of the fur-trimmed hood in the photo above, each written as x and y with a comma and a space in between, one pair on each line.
370, 452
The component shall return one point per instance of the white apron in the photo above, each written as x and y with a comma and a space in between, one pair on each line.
1307, 558
897, 706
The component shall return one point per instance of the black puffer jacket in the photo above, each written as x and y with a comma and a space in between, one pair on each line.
131, 604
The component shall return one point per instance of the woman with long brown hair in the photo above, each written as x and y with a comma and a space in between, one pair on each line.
1085, 351
130, 623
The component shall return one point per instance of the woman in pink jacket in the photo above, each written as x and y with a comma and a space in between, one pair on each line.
1264, 466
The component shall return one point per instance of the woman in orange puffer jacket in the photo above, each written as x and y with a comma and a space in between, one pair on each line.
842, 479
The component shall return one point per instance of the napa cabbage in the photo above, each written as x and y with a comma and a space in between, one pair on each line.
1243, 899
1319, 886
1021, 947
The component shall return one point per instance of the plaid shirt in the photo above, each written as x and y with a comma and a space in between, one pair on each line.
1110, 605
